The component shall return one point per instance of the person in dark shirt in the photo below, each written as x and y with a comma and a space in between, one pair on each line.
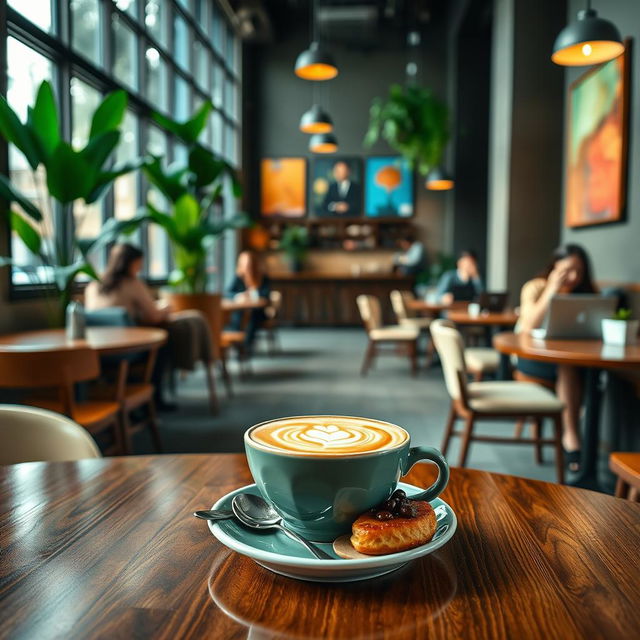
343, 195
464, 282
250, 282
412, 260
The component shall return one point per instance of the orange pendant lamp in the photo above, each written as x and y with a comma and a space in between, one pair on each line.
315, 63
589, 40
316, 120
439, 180
323, 143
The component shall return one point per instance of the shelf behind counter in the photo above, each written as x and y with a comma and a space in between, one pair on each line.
325, 299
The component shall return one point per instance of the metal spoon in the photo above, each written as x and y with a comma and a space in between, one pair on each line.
214, 514
254, 511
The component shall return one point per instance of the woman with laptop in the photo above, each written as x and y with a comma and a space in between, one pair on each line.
568, 272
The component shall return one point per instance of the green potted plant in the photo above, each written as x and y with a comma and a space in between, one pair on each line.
295, 244
192, 190
413, 122
71, 175
621, 329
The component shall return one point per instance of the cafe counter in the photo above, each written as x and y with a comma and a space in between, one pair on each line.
323, 299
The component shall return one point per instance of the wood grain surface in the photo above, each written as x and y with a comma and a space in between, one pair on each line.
104, 340
580, 353
108, 549
502, 319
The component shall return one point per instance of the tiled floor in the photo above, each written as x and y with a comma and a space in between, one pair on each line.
317, 371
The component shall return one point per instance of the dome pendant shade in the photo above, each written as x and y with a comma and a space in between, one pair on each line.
315, 64
323, 143
316, 120
439, 180
589, 40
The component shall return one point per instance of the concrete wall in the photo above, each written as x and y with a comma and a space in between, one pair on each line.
525, 140
614, 247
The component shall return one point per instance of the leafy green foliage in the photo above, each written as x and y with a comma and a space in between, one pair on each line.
295, 242
413, 122
71, 174
623, 314
192, 191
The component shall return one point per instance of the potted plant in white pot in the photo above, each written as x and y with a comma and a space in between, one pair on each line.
621, 329
192, 190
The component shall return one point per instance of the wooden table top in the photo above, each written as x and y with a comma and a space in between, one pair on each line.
422, 306
502, 319
244, 304
109, 548
580, 353
104, 340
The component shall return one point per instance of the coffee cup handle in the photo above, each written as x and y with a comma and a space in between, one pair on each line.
432, 455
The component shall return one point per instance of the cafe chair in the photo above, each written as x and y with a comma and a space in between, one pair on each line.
475, 401
270, 326
403, 338
28, 434
626, 466
400, 302
481, 361
52, 376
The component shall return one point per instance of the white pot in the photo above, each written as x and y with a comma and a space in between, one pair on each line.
620, 332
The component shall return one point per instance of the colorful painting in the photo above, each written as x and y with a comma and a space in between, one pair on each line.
596, 155
336, 187
283, 187
388, 188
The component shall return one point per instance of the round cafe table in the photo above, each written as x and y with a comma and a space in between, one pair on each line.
108, 548
593, 355
104, 340
506, 318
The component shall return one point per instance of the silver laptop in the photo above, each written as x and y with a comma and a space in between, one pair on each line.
577, 316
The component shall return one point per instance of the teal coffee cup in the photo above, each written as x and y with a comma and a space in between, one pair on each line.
321, 472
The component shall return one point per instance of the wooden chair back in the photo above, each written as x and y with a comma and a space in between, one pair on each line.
22, 368
450, 347
370, 311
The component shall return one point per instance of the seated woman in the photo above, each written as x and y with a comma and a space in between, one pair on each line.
250, 282
464, 282
568, 272
121, 287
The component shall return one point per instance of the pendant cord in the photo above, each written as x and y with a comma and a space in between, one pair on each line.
314, 34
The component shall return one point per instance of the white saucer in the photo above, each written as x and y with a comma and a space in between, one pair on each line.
278, 553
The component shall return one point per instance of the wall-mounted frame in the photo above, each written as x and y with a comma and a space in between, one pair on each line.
336, 187
596, 156
283, 188
389, 187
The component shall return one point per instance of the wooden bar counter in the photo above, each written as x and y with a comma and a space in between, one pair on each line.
324, 299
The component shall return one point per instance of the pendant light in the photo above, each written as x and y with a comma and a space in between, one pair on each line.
588, 40
439, 180
323, 143
316, 120
315, 63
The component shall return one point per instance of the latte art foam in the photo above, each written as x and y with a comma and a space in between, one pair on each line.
328, 435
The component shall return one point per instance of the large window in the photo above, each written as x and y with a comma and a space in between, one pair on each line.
169, 55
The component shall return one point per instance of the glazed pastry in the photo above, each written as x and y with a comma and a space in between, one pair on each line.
382, 531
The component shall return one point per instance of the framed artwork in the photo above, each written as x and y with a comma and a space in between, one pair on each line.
336, 187
596, 155
283, 187
389, 188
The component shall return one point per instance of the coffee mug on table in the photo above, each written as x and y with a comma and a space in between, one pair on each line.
321, 472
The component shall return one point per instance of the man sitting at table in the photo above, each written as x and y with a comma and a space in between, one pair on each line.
413, 258
464, 282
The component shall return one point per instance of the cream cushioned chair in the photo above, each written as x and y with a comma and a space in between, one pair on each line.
493, 401
479, 360
403, 338
28, 434
400, 303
